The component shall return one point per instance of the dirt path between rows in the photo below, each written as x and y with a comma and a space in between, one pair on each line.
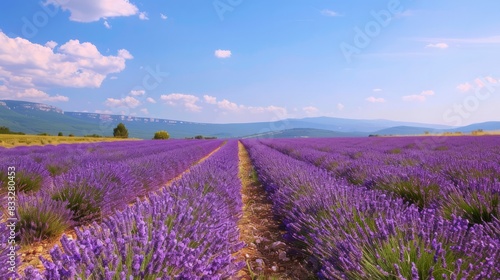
267, 255
29, 255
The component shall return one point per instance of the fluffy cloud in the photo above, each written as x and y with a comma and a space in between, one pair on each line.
143, 16
187, 100
222, 53
478, 83
94, 10
310, 110
329, 13
26, 65
373, 99
419, 97
210, 99
32, 95
464, 87
128, 101
162, 16
107, 25
377, 90
340, 106
137, 92
150, 100
438, 46
144, 111
227, 106
51, 44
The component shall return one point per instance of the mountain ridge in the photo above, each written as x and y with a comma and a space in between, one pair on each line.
21, 115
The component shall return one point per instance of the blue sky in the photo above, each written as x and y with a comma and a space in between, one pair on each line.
223, 61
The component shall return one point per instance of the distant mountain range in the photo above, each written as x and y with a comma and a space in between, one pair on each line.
34, 118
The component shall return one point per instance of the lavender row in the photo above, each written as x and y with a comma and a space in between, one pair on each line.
185, 231
95, 188
39, 164
352, 232
461, 178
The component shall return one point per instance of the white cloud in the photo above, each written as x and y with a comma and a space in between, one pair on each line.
145, 111
480, 82
128, 101
222, 53
419, 97
230, 107
25, 65
340, 106
465, 87
491, 80
187, 100
310, 110
51, 44
143, 16
32, 95
210, 99
377, 90
163, 16
373, 99
94, 10
137, 92
438, 46
329, 13
107, 25
150, 100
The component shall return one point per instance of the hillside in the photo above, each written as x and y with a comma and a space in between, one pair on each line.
34, 118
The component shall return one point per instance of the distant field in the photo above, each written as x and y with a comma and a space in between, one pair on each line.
11, 140
482, 133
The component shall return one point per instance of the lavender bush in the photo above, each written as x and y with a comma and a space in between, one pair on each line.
41, 218
186, 231
95, 188
355, 232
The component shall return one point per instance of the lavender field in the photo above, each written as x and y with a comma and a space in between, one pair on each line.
347, 208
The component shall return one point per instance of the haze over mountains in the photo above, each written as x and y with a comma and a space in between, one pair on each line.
34, 118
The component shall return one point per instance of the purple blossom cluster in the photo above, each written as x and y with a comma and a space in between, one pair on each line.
358, 231
185, 231
92, 180
39, 217
459, 176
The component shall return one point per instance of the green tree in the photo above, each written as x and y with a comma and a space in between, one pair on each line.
161, 135
4, 130
120, 131
60, 134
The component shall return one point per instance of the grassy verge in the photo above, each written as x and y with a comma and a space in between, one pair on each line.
10, 140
